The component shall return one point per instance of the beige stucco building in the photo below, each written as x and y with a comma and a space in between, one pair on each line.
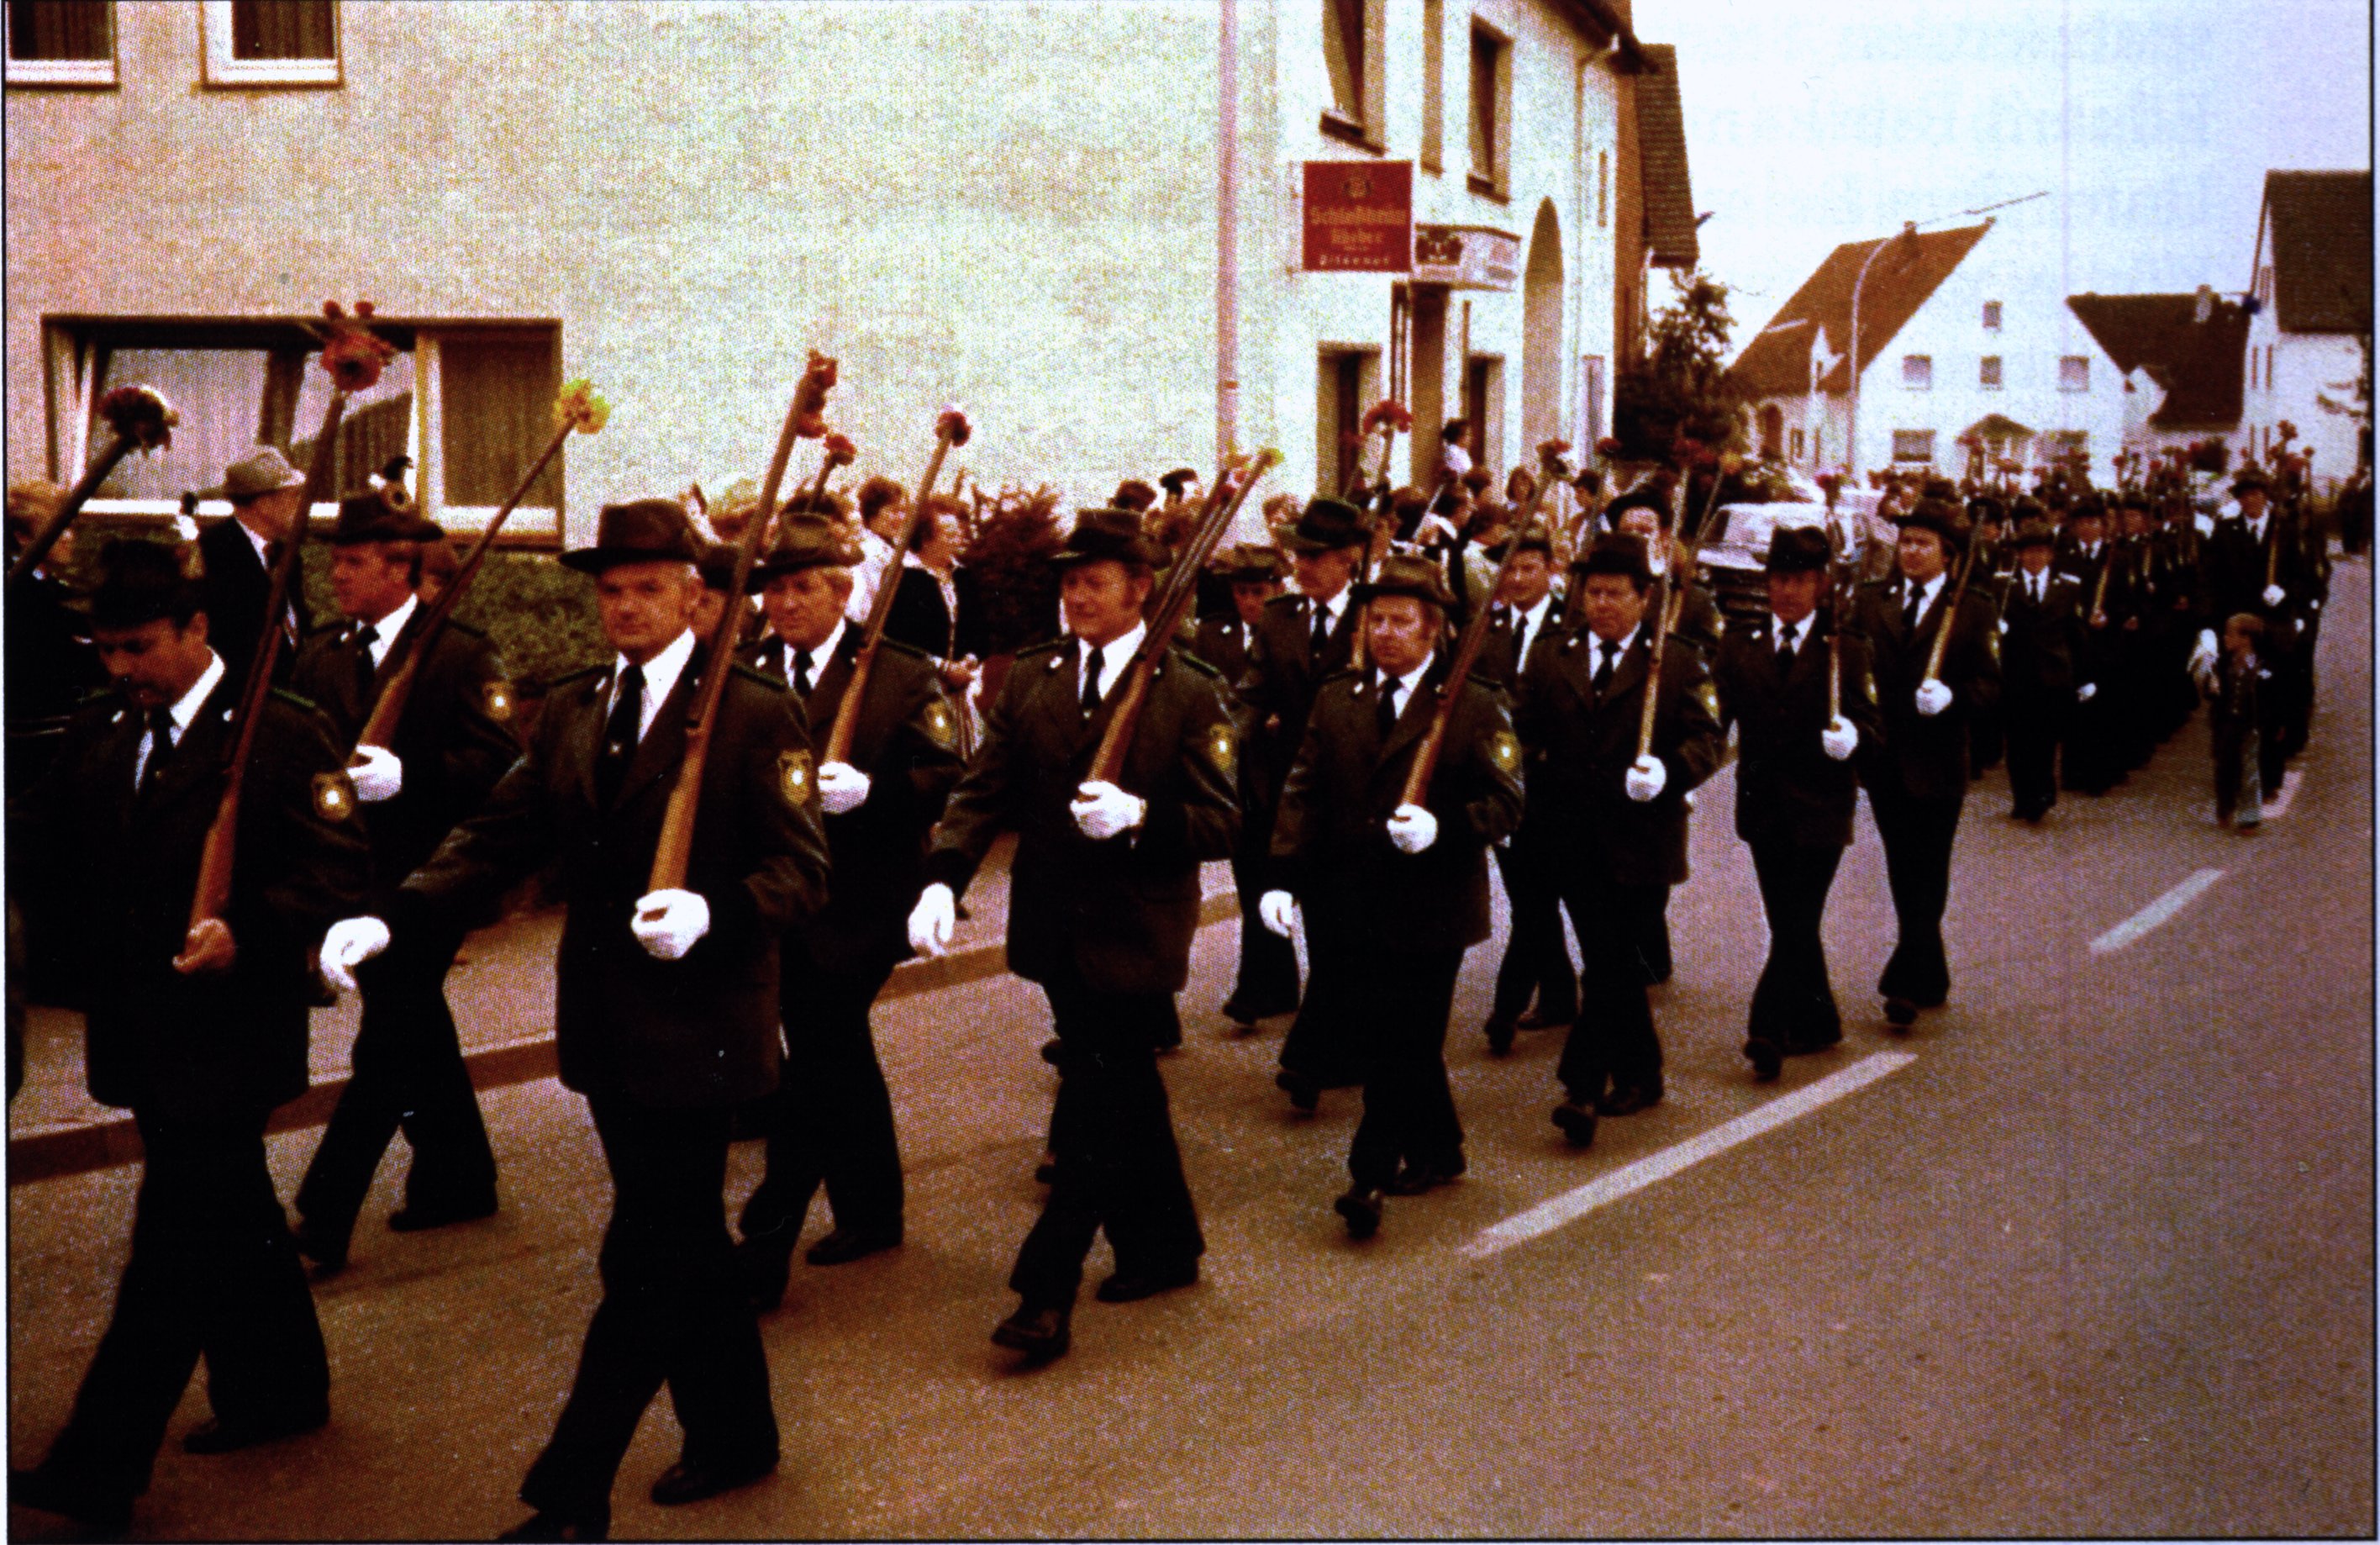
1014, 206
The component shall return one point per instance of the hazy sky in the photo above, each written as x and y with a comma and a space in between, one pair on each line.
1823, 121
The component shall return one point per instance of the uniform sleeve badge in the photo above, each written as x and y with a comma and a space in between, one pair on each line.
334, 796
496, 698
942, 726
1223, 748
1504, 753
797, 779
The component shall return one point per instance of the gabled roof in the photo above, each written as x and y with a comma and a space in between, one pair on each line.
2200, 365
2321, 225
1902, 279
1661, 162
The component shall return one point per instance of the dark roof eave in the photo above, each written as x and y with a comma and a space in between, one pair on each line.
1599, 18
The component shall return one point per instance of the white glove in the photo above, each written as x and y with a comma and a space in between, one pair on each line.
1413, 829
2202, 658
1932, 696
932, 918
1840, 738
1647, 778
669, 923
2275, 595
841, 787
351, 942
1103, 810
2085, 692
1278, 910
377, 774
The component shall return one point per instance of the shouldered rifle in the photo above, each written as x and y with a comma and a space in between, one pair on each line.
1466, 655
1951, 611
139, 420
1181, 590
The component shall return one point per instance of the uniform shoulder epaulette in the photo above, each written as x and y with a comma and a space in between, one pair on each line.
584, 672
1344, 672
760, 678
1046, 647
896, 647
298, 700
456, 624
1288, 599
1197, 665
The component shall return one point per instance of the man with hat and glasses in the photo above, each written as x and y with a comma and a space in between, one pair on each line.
1916, 779
2041, 628
1266, 983
1612, 824
831, 1121
1103, 901
1396, 893
1301, 639
665, 1003
1794, 786
455, 740
200, 1031
266, 494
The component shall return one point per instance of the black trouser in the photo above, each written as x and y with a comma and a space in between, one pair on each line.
1267, 982
1408, 1107
1653, 950
673, 1313
1613, 1039
1918, 835
2035, 721
1325, 1041
407, 1073
830, 1118
212, 1273
1119, 1168
1793, 1005
1537, 957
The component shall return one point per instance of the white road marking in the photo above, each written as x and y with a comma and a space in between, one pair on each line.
2155, 913
1570, 1206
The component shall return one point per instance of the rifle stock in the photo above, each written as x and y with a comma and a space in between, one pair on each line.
947, 432
1958, 593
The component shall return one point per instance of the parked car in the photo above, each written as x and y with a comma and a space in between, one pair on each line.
1734, 553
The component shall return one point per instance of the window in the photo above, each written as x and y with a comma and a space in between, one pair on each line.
1490, 127
1433, 85
1991, 316
1795, 440
1990, 375
1912, 444
2265, 283
61, 43
271, 43
1482, 404
1590, 421
1603, 188
1918, 371
2251, 368
2068, 445
470, 407
2074, 373
1351, 50
2269, 366
1342, 383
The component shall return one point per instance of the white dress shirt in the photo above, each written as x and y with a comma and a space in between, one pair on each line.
1115, 655
819, 656
1399, 689
387, 628
1526, 626
1801, 634
1926, 594
186, 709
660, 678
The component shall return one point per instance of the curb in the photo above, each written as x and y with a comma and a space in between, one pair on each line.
64, 1151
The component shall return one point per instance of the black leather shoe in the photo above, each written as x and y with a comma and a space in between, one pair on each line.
1576, 1120
414, 1217
1538, 1019
215, 1435
761, 1268
1768, 1058
1628, 1101
329, 1256
1360, 1205
1040, 1333
1053, 1052
1498, 1031
1413, 1179
1802, 1046
544, 1526
1302, 1092
97, 1509
1900, 1012
1046, 1171
691, 1481
840, 1245
1127, 1287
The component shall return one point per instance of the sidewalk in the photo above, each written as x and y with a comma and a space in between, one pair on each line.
502, 990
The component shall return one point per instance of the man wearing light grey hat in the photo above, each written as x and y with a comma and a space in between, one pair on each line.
266, 494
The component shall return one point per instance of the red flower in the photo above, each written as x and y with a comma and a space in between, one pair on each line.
139, 415
809, 397
952, 425
1389, 411
353, 354
840, 450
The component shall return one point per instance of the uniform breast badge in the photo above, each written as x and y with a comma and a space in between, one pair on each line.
334, 796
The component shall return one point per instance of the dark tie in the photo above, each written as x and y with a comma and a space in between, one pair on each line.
1785, 648
1091, 682
1321, 629
1388, 708
366, 635
620, 732
1610, 648
1908, 613
802, 672
161, 746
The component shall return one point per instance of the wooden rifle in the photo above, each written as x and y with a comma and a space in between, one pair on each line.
1950, 612
139, 420
1466, 655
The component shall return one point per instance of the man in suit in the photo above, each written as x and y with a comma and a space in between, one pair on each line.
831, 1121
1396, 888
1611, 823
1103, 901
1795, 789
2254, 563
200, 1030
665, 1002
1266, 983
1299, 640
1916, 779
266, 494
2041, 627
1536, 957
455, 741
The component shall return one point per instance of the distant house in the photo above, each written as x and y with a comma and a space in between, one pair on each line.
1959, 336
2313, 321
2184, 363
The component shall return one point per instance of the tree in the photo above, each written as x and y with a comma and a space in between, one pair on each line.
1678, 387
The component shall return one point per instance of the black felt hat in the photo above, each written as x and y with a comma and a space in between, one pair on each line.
640, 531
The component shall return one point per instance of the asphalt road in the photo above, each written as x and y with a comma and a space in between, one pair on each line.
2096, 1258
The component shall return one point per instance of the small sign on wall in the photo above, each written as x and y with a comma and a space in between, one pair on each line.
1466, 257
1358, 216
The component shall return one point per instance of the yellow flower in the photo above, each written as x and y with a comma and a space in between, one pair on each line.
581, 408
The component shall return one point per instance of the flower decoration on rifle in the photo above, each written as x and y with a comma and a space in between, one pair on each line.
952, 424
579, 408
1391, 412
140, 416
840, 450
809, 397
353, 354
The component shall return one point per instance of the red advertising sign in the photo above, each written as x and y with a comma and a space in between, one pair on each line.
1358, 216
